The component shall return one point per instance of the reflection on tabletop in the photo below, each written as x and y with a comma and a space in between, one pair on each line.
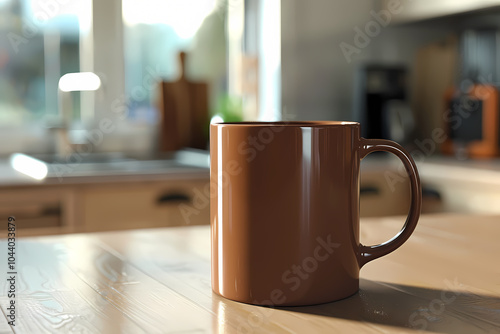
158, 281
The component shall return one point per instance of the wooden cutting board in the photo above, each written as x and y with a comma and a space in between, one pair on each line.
183, 106
435, 71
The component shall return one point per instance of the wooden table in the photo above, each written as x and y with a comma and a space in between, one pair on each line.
446, 278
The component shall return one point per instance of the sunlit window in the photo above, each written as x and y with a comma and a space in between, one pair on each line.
130, 52
155, 31
40, 43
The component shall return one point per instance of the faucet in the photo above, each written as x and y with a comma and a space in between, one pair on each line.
68, 83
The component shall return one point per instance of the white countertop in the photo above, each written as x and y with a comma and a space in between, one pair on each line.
479, 171
441, 167
12, 178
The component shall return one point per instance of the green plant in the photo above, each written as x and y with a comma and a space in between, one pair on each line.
229, 109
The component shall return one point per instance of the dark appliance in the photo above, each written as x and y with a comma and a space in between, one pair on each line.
381, 103
472, 115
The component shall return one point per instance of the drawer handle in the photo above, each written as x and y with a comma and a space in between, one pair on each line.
369, 190
173, 198
431, 193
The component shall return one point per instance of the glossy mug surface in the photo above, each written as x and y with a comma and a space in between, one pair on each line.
285, 210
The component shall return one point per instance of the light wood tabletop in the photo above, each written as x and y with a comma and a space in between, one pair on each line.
446, 278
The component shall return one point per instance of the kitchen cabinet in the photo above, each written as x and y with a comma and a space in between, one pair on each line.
448, 185
144, 201
387, 193
382, 195
171, 203
464, 187
38, 208
102, 206
464, 197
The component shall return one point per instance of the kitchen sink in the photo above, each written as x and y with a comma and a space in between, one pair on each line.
91, 158
101, 164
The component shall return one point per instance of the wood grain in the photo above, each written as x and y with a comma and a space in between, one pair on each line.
446, 278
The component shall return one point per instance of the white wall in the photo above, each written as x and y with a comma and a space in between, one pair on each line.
317, 80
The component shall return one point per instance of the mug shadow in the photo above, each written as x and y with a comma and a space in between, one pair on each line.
444, 311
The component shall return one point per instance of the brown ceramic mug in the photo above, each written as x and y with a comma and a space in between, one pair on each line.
285, 210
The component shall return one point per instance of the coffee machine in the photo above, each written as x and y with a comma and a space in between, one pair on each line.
381, 102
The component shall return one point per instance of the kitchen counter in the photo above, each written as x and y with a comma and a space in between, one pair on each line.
12, 178
473, 171
114, 170
444, 279
441, 166
448, 184
479, 171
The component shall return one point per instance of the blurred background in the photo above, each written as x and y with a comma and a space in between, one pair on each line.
105, 105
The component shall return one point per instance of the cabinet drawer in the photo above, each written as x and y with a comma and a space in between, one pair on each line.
36, 208
379, 197
466, 197
173, 203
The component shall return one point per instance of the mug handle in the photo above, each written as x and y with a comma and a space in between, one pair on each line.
367, 146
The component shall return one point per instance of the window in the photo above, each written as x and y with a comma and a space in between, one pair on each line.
122, 41
155, 31
40, 42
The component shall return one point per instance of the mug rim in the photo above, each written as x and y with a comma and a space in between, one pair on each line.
287, 123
